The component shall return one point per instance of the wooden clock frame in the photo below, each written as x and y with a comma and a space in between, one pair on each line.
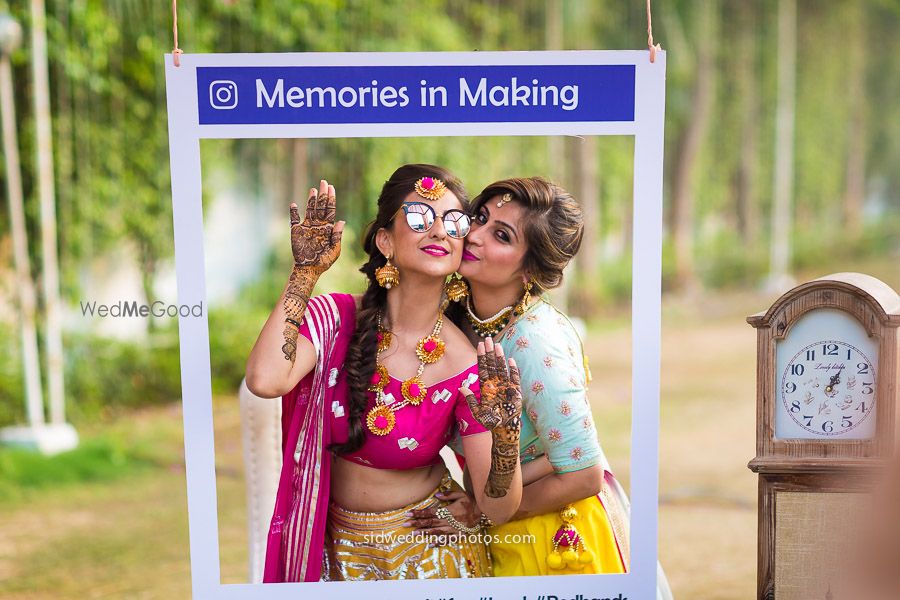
820, 465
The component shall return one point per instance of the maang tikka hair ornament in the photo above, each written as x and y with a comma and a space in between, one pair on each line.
430, 188
507, 197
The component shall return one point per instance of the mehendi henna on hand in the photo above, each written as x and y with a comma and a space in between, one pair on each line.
500, 411
504, 458
290, 342
315, 245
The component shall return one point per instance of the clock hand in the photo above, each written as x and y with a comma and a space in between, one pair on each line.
835, 379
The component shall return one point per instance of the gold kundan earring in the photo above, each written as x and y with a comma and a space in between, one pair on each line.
522, 304
457, 288
387, 276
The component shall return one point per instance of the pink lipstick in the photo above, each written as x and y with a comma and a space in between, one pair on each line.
435, 251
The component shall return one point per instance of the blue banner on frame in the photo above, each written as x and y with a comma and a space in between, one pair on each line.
419, 94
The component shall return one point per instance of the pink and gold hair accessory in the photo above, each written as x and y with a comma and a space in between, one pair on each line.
430, 188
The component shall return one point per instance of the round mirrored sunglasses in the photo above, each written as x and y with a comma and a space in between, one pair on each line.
421, 217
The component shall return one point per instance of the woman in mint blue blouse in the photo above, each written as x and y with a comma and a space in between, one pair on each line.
524, 233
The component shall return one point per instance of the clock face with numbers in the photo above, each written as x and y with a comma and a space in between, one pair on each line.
825, 378
828, 387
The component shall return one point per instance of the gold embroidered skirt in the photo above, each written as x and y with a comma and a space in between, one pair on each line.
364, 545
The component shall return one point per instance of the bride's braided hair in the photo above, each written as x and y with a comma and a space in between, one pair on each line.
360, 361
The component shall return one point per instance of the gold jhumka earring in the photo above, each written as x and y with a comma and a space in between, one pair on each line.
522, 304
457, 289
387, 276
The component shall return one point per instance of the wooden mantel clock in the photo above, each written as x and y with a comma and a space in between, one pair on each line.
828, 358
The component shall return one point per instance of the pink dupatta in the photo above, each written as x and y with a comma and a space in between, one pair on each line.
297, 531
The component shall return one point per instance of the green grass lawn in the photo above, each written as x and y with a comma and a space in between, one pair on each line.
112, 521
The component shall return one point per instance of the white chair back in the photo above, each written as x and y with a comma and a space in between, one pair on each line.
261, 438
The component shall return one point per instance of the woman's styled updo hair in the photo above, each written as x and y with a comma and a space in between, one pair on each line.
360, 360
553, 225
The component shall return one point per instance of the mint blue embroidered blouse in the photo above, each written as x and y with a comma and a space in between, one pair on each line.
556, 414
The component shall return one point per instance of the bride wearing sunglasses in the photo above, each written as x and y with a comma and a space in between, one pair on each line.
372, 388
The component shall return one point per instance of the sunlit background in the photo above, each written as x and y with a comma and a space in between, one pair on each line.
748, 211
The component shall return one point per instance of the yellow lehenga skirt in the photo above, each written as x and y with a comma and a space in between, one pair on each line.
523, 547
365, 545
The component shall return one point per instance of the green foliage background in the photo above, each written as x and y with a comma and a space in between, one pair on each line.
111, 153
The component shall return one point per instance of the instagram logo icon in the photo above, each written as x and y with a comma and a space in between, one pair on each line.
223, 94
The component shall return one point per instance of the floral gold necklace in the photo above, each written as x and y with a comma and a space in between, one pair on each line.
380, 419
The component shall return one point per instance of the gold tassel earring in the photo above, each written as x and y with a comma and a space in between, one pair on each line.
457, 288
522, 304
387, 276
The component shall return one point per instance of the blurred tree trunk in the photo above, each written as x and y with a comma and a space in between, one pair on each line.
854, 194
587, 192
746, 207
47, 194
779, 277
34, 403
556, 147
61, 86
689, 144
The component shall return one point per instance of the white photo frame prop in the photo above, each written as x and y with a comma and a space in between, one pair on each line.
596, 93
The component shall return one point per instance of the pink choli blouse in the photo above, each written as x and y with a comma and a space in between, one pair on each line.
419, 432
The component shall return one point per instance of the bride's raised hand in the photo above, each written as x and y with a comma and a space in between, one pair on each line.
316, 244
316, 240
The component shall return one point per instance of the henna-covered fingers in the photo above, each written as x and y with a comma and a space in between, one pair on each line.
514, 375
427, 523
329, 207
491, 356
500, 363
513, 406
311, 200
336, 234
482, 362
462, 509
482, 412
316, 213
